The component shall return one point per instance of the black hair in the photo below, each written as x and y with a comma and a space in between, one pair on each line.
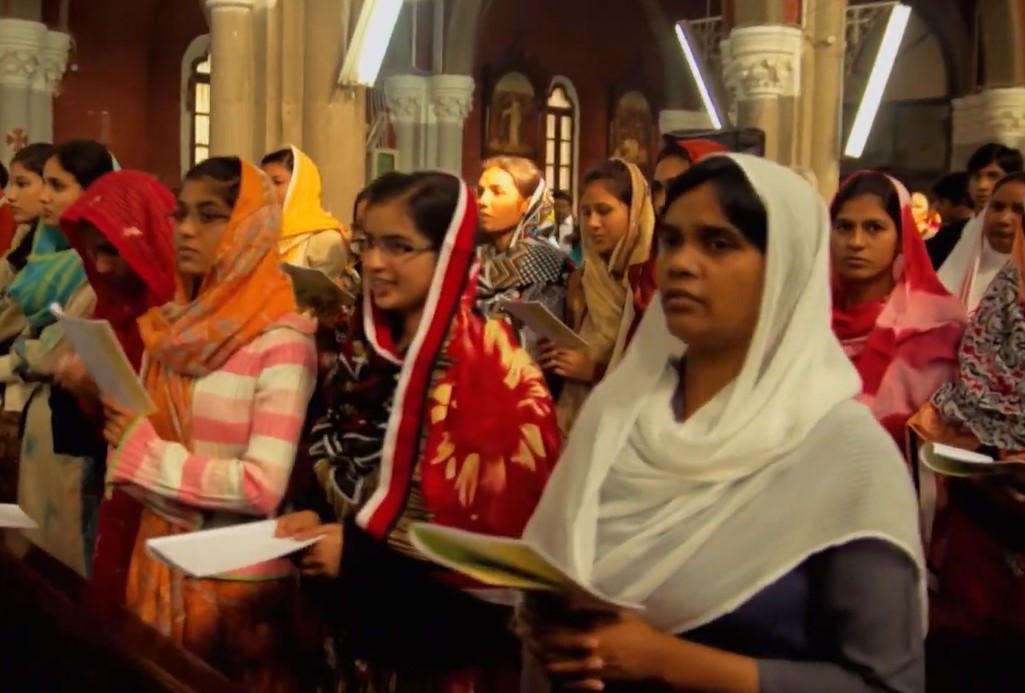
225, 170
1007, 158
85, 160
953, 187
1014, 177
360, 197
738, 199
33, 157
5, 178
871, 183
285, 157
430, 198
671, 147
616, 177
562, 195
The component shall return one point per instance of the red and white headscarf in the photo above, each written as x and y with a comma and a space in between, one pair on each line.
904, 345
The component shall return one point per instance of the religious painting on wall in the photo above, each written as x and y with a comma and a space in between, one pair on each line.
632, 129
512, 117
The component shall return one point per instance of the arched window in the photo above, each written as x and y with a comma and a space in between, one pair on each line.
195, 103
199, 107
561, 137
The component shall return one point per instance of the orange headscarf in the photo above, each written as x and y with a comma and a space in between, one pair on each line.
244, 293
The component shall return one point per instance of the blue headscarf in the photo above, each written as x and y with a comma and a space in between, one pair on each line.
52, 274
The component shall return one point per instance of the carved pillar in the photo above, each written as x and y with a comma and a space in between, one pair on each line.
53, 60
407, 97
451, 102
762, 67
671, 120
232, 78
822, 99
993, 115
20, 44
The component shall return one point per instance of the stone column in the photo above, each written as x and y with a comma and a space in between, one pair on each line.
993, 115
232, 78
292, 42
762, 67
53, 60
20, 44
671, 120
451, 102
334, 118
407, 96
824, 94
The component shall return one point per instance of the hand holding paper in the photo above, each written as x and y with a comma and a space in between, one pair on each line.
536, 317
951, 461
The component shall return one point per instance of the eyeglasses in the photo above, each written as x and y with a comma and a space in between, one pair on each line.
390, 247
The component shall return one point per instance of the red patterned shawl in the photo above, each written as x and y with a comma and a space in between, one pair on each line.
904, 346
470, 407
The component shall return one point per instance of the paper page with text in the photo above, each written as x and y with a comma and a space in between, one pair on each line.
96, 344
314, 289
503, 562
222, 550
536, 316
13, 517
952, 461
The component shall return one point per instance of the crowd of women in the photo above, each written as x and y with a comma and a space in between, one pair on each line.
736, 449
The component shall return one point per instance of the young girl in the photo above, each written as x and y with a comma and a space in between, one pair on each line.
434, 415
230, 366
60, 491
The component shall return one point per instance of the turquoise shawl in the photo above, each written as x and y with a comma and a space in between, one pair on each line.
51, 275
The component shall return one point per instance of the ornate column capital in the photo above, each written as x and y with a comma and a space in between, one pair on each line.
406, 97
763, 61
671, 120
991, 115
451, 97
20, 43
53, 61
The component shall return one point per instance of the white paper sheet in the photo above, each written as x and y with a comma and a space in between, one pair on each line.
215, 551
96, 344
951, 461
536, 316
13, 517
314, 289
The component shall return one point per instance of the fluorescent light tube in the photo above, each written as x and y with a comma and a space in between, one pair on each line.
370, 40
873, 96
699, 80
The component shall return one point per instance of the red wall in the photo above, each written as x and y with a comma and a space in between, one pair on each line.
609, 47
125, 91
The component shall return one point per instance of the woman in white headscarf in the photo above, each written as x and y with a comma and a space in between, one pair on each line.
724, 477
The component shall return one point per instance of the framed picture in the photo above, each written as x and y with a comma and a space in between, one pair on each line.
632, 130
380, 162
512, 117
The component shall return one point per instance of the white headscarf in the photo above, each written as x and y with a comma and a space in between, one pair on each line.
693, 519
972, 264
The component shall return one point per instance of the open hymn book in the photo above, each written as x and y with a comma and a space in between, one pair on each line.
96, 344
505, 563
314, 289
951, 461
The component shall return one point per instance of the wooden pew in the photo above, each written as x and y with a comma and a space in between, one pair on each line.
51, 638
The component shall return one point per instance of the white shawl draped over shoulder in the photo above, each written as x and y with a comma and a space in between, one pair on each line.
692, 519
972, 264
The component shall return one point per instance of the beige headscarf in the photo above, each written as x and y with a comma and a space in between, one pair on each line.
606, 290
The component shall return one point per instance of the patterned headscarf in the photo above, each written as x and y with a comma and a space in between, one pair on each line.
243, 294
904, 345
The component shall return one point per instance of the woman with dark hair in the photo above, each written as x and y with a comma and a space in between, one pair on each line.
898, 324
517, 263
975, 527
310, 237
433, 415
230, 365
734, 402
60, 491
617, 225
23, 200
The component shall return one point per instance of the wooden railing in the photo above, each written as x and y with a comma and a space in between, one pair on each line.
53, 638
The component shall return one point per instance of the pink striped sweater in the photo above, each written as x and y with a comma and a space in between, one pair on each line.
246, 421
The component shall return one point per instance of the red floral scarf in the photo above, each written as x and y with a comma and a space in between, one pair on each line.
905, 345
463, 412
